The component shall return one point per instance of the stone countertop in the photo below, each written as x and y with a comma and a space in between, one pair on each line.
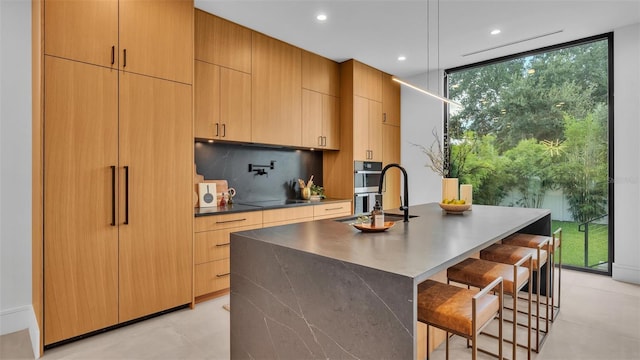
419, 249
244, 206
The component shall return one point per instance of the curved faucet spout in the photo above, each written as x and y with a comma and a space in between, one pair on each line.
404, 207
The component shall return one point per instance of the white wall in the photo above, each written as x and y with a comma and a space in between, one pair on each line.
420, 114
16, 311
626, 57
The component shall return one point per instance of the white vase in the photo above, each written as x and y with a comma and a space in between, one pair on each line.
449, 188
466, 193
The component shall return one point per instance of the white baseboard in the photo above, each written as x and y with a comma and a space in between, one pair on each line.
626, 273
20, 318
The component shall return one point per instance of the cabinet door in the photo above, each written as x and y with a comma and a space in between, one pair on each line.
331, 122
80, 240
232, 44
204, 35
207, 101
156, 143
320, 74
391, 154
235, 105
86, 31
360, 128
157, 37
367, 81
276, 92
390, 100
375, 130
312, 118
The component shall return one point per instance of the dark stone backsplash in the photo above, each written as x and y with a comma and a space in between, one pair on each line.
220, 161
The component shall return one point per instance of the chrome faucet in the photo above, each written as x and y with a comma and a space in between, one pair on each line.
404, 207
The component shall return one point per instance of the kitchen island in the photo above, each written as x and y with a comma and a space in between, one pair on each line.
323, 289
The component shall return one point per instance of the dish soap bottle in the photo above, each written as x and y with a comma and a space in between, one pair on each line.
377, 216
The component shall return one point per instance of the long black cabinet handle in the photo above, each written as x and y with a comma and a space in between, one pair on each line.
126, 195
223, 275
221, 245
224, 130
331, 209
124, 60
113, 195
113, 54
217, 129
230, 221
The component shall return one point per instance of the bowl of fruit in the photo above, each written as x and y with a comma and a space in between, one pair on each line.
454, 206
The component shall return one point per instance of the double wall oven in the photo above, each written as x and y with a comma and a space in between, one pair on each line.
366, 179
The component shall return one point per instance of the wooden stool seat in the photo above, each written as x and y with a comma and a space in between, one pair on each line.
511, 254
480, 273
458, 310
531, 241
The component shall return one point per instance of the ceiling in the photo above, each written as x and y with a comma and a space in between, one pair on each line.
376, 32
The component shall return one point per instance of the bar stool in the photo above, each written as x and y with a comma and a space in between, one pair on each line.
460, 311
480, 273
555, 244
510, 254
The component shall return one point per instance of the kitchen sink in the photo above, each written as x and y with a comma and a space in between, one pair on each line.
387, 217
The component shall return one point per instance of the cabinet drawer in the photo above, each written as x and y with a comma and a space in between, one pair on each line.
214, 245
287, 215
327, 211
218, 222
212, 276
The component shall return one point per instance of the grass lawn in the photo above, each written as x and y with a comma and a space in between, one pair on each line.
573, 243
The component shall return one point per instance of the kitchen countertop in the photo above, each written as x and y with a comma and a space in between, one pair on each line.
244, 206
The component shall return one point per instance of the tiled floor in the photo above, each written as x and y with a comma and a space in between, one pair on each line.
600, 319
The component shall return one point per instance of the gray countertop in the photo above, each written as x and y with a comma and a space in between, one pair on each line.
419, 249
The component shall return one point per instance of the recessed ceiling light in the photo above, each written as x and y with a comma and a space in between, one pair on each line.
495, 31
402, 58
321, 17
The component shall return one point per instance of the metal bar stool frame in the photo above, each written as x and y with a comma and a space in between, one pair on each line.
538, 269
514, 294
476, 328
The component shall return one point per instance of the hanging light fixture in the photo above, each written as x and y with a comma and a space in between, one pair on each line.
414, 87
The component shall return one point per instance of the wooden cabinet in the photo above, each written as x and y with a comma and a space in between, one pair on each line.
332, 210
367, 81
118, 149
155, 235
367, 129
320, 120
320, 74
153, 38
285, 216
276, 92
222, 104
390, 100
391, 154
80, 234
221, 42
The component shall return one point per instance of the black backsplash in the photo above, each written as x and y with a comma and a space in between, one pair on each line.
218, 161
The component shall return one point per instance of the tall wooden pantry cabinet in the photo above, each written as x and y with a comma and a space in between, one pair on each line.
118, 160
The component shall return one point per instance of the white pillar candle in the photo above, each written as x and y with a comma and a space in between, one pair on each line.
466, 193
449, 188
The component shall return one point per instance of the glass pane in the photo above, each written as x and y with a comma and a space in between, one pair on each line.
534, 132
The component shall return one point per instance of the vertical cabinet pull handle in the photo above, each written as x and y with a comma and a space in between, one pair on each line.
124, 60
113, 54
224, 130
384, 117
113, 195
126, 195
319, 140
217, 130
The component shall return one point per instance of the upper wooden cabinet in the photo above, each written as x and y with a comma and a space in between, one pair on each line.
390, 100
276, 92
222, 42
152, 38
367, 129
320, 120
222, 104
367, 81
320, 74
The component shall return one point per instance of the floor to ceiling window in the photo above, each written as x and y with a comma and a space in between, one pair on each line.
535, 131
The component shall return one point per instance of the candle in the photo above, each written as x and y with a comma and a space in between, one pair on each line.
449, 189
466, 193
